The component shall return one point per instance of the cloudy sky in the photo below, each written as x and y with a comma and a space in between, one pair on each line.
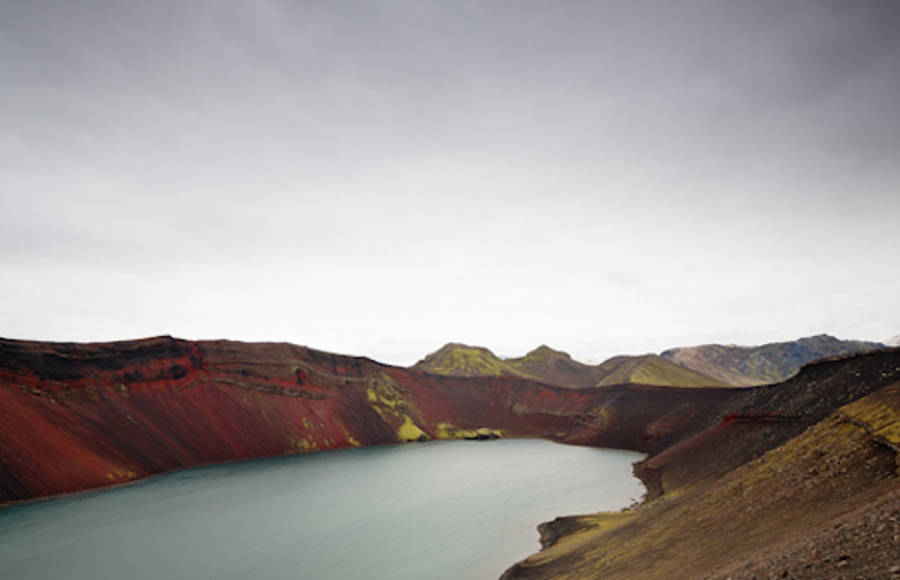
379, 178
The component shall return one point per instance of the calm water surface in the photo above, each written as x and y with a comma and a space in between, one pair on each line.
463, 509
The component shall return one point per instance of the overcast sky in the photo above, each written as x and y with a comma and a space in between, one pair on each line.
379, 178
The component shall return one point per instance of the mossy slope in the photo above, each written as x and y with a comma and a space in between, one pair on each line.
462, 360
652, 369
558, 368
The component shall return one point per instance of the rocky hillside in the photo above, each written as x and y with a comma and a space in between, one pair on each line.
777, 489
769, 363
555, 367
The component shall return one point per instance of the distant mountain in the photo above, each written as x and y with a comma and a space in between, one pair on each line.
558, 368
555, 367
542, 363
651, 369
769, 363
893, 341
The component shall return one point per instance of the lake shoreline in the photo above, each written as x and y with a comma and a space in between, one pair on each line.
367, 505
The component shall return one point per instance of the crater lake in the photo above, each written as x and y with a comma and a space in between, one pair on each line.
439, 510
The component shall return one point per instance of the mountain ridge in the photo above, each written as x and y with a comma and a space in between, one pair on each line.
766, 363
556, 367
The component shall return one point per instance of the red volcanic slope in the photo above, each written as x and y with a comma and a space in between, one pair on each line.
78, 416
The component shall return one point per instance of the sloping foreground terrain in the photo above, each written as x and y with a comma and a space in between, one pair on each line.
555, 367
767, 363
801, 493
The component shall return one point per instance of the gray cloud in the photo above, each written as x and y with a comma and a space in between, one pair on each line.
382, 177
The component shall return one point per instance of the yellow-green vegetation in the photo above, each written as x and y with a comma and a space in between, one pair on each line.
820, 441
879, 412
539, 355
409, 431
653, 370
448, 431
466, 361
556, 367
383, 391
120, 475
387, 398
300, 444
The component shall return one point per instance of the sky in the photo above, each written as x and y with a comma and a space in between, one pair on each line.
379, 178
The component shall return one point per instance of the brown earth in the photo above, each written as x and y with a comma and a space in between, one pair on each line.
823, 504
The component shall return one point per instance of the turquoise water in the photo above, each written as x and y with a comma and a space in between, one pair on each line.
460, 510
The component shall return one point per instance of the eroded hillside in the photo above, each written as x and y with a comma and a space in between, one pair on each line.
748, 500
